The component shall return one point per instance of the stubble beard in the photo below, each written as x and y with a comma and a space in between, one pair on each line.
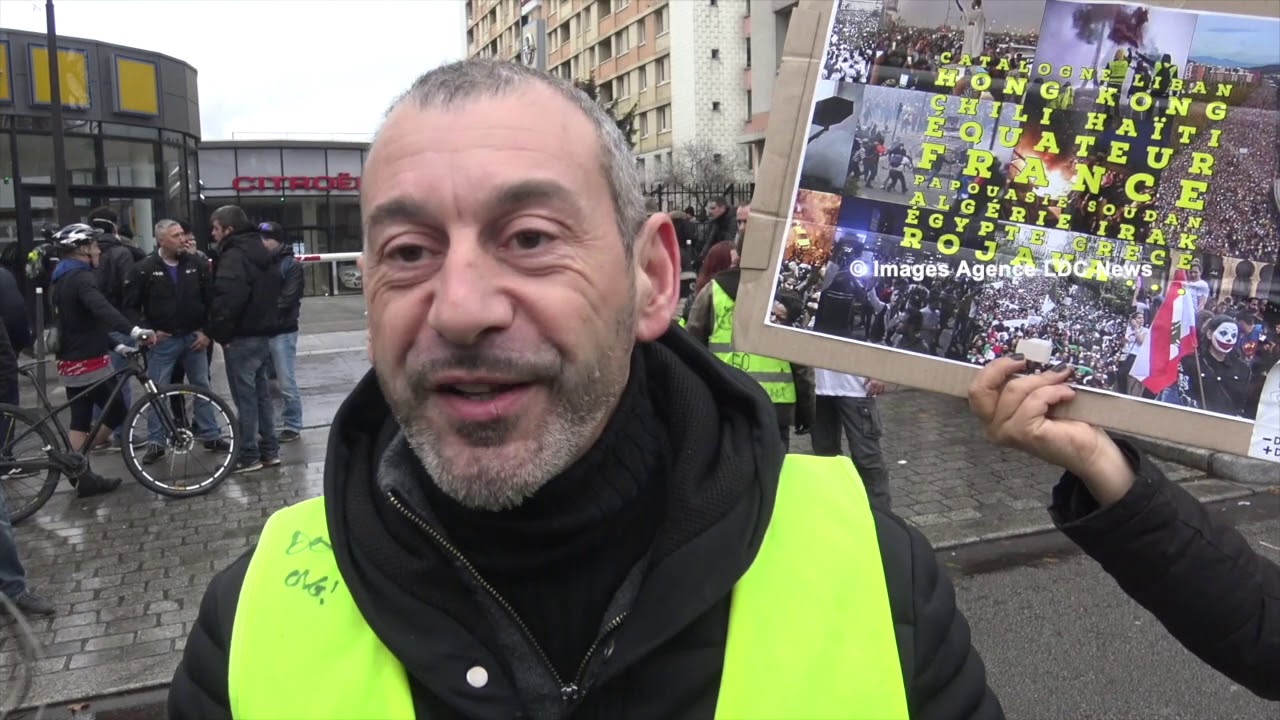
481, 467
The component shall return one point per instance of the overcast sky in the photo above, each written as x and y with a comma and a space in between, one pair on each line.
275, 66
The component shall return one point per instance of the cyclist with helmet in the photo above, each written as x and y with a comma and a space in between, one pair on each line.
84, 318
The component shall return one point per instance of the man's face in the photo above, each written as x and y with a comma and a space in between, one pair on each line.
502, 308
743, 213
218, 231
1194, 273
715, 211
173, 240
189, 241
91, 253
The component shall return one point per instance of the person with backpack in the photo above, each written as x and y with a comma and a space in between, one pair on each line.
84, 318
284, 344
117, 259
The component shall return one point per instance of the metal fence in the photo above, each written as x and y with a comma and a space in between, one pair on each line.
670, 198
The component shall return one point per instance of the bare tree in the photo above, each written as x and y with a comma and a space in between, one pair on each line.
701, 166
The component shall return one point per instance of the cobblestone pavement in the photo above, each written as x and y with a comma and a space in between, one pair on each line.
127, 571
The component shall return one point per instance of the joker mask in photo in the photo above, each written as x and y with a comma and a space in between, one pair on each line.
1223, 334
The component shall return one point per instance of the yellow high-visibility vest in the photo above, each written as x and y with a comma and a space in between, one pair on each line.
1117, 71
300, 647
772, 374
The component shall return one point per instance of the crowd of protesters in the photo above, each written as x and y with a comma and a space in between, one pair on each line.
1241, 217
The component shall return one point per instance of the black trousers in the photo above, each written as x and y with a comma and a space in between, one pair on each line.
859, 419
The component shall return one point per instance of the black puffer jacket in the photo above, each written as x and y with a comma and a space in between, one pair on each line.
245, 290
1197, 576
667, 656
116, 260
84, 315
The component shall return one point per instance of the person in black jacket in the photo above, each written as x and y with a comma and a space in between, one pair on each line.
542, 497
243, 317
13, 577
117, 257
170, 292
284, 344
13, 309
84, 318
1197, 576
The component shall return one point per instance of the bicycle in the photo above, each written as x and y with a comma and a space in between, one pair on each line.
163, 430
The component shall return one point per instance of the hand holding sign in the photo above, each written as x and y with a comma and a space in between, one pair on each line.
1015, 413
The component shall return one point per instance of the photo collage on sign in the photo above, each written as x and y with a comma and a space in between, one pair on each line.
1100, 178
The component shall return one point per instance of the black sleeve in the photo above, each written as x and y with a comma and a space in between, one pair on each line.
1199, 577
199, 688
945, 676
294, 284
231, 292
135, 295
8, 366
204, 272
97, 304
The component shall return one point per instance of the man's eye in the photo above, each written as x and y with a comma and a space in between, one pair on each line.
529, 240
407, 253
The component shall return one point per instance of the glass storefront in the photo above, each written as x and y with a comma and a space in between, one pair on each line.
130, 147
307, 187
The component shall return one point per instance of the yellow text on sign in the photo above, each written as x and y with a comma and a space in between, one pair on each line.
136, 86
73, 76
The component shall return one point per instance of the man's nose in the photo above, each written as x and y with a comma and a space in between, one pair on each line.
469, 300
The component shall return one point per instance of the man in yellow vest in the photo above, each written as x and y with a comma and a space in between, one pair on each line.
547, 501
790, 386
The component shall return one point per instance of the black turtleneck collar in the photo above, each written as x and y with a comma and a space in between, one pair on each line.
560, 557
578, 509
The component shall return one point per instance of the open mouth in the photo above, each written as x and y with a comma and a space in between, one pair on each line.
478, 391
484, 402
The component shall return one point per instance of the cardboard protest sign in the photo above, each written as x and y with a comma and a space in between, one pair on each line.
949, 181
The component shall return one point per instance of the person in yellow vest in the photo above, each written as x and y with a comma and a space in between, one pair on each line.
790, 386
547, 501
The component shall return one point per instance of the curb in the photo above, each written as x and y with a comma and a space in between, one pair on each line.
1236, 468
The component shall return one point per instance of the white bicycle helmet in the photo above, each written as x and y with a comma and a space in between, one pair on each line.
74, 236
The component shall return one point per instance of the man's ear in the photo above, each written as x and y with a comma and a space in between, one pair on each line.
657, 270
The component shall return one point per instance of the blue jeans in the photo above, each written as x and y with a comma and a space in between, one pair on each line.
13, 578
284, 355
195, 365
247, 360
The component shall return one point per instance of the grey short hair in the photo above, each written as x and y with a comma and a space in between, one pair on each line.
465, 80
164, 225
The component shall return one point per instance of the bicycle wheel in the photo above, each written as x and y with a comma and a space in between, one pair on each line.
203, 433
24, 456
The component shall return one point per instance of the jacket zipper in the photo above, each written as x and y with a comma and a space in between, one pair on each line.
569, 692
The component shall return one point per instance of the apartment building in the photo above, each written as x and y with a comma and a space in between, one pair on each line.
766, 30
682, 64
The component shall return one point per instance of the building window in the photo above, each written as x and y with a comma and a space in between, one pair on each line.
644, 124
749, 105
644, 77
640, 32
713, 3
258, 162
717, 158
662, 70
660, 21
129, 163
664, 118
622, 42
715, 53
715, 106
217, 168
606, 7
